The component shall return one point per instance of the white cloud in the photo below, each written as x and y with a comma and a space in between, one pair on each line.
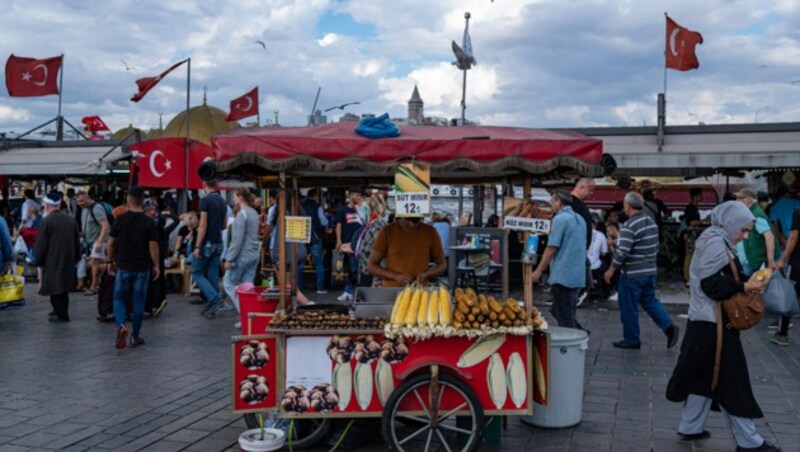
542, 63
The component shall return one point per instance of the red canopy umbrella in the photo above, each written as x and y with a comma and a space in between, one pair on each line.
452, 152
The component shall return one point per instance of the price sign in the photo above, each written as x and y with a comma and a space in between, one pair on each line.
298, 229
536, 225
412, 204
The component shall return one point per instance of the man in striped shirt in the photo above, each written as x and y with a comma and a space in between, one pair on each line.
636, 259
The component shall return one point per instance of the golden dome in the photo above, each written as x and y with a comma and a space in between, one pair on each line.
152, 134
126, 134
206, 121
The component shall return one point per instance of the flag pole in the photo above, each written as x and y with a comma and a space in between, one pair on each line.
661, 106
59, 119
186, 144
464, 70
666, 44
258, 113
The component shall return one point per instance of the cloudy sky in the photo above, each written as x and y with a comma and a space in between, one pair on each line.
541, 63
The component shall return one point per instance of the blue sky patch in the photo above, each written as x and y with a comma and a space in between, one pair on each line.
343, 24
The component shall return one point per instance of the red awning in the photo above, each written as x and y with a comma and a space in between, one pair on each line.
479, 151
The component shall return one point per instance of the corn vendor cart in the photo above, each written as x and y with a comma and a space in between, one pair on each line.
434, 384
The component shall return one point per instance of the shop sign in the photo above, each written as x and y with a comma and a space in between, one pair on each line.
535, 225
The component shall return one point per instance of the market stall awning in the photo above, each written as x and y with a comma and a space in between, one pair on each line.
59, 159
334, 149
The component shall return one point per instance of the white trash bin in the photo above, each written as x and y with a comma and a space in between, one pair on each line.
565, 367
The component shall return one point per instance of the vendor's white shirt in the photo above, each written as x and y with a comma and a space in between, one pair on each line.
597, 248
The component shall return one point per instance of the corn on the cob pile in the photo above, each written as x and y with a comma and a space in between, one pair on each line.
421, 307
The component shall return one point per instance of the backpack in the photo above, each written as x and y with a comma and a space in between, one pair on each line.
107, 207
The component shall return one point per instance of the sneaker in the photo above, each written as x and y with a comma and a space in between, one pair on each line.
212, 309
614, 297
582, 298
783, 341
238, 325
776, 326
345, 297
322, 292
765, 446
122, 337
226, 308
160, 309
136, 341
548, 302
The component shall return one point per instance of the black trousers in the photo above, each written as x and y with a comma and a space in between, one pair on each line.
60, 303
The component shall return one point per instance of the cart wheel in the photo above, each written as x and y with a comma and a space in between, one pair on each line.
408, 432
306, 433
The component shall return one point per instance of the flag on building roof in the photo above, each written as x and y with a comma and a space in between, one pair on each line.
244, 106
680, 47
147, 83
465, 58
29, 77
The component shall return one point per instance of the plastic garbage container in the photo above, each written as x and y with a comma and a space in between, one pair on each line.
566, 362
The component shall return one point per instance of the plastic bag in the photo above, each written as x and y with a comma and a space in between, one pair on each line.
779, 295
11, 291
20, 247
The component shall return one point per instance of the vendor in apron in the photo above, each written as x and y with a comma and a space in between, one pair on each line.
407, 246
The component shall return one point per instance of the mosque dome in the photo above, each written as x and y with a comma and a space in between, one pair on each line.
205, 122
126, 133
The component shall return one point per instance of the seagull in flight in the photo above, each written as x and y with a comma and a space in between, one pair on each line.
127, 68
261, 43
341, 107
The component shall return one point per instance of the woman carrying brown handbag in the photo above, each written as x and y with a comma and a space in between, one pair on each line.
711, 282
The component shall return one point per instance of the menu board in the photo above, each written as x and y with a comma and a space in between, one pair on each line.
255, 373
298, 229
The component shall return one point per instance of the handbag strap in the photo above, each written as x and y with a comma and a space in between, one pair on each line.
718, 353
734, 269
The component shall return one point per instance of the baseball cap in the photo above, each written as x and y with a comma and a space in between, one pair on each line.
746, 193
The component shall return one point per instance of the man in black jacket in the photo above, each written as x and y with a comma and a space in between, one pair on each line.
582, 190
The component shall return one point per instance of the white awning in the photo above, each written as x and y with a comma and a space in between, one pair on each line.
59, 160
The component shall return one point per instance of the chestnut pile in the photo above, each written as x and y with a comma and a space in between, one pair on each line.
326, 321
254, 355
253, 389
322, 398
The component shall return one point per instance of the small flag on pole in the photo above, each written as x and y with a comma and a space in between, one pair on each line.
244, 106
147, 83
680, 47
465, 59
94, 124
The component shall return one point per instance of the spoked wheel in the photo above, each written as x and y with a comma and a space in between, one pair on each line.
408, 424
306, 433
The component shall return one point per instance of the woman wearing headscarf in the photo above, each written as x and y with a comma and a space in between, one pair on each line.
711, 281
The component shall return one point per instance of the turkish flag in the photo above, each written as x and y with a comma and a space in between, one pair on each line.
29, 77
160, 162
244, 106
147, 83
680, 52
94, 124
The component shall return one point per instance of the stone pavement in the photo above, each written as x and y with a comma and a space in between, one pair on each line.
64, 386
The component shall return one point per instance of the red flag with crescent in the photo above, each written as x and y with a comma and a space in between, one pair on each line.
244, 106
160, 162
680, 51
147, 83
93, 124
29, 77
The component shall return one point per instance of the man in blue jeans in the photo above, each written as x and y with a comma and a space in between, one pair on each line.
319, 222
566, 250
208, 247
636, 259
133, 260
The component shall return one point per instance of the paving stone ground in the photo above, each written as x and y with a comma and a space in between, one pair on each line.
64, 386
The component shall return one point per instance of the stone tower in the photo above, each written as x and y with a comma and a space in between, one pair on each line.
415, 104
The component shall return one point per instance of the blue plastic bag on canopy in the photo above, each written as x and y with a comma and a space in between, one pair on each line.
379, 127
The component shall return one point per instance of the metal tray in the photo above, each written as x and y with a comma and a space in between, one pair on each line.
377, 294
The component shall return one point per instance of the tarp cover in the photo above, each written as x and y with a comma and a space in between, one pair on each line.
336, 147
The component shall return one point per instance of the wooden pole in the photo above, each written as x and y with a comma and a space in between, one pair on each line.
282, 241
527, 276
